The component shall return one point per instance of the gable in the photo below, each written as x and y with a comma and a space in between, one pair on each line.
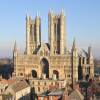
43, 50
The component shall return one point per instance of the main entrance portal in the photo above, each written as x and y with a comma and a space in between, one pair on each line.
45, 67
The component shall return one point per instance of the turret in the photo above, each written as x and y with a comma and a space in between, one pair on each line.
91, 62
51, 31
90, 55
15, 52
38, 30
74, 48
62, 33
28, 49
74, 63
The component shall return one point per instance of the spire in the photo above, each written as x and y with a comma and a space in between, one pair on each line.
26, 15
90, 52
90, 55
74, 44
37, 14
28, 19
15, 46
51, 12
15, 49
62, 12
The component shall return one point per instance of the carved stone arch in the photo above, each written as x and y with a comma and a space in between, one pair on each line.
45, 66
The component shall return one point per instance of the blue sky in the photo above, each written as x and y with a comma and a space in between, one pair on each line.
82, 22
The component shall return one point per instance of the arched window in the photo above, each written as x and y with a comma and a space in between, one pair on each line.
34, 74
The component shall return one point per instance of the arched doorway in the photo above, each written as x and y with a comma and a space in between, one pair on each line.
56, 73
34, 74
45, 67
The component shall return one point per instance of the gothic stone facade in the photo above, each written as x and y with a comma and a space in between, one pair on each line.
51, 61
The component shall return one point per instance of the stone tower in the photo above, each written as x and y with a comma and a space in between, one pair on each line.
15, 49
57, 33
91, 62
74, 62
15, 54
33, 34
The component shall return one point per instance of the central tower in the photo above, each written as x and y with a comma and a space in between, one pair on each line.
57, 33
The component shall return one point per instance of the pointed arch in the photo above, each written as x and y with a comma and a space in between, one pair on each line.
34, 74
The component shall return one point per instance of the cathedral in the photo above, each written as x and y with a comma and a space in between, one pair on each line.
50, 63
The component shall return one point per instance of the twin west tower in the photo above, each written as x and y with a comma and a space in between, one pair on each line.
56, 30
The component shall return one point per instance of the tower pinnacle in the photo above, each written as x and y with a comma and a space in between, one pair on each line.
74, 43
15, 47
15, 52
37, 14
